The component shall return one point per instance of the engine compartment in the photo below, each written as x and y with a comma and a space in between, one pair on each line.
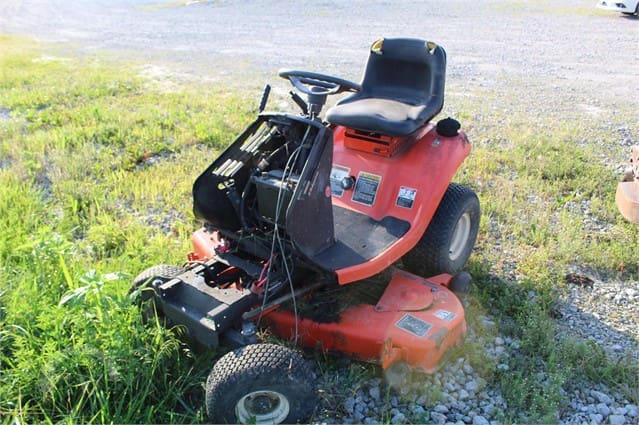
256, 177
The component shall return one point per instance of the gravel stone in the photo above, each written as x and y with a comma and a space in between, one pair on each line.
349, 405
394, 401
603, 398
438, 418
603, 409
596, 418
398, 418
440, 408
617, 419
418, 411
480, 420
619, 411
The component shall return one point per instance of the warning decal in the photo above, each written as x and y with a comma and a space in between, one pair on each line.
366, 188
406, 197
414, 325
338, 173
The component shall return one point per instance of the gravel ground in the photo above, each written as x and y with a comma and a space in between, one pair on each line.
561, 57
466, 398
487, 41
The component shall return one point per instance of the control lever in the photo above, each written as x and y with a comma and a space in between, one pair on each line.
300, 102
267, 91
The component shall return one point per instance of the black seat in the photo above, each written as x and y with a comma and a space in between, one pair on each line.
402, 89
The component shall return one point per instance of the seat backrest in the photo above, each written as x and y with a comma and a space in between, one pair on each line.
408, 70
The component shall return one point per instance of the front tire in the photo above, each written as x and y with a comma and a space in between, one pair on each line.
164, 272
142, 294
450, 236
260, 383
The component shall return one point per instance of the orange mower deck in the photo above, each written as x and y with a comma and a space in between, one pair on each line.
627, 196
415, 322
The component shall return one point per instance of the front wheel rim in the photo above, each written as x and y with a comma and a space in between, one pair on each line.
262, 407
460, 237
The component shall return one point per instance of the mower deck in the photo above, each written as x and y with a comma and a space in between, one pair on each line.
414, 322
627, 197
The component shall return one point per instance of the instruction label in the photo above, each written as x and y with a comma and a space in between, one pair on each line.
414, 325
366, 188
338, 173
406, 197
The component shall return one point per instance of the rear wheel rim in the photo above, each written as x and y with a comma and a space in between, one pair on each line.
460, 237
262, 407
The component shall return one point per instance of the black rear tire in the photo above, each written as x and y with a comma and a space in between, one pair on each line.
450, 236
260, 383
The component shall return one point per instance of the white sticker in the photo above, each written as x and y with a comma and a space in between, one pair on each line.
448, 316
338, 173
406, 197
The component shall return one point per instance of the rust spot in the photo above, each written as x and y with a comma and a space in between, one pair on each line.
438, 337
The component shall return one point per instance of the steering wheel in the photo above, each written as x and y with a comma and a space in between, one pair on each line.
314, 84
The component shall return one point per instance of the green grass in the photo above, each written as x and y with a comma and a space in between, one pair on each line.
94, 186
96, 167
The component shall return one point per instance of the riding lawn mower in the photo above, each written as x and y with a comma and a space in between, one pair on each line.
304, 219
